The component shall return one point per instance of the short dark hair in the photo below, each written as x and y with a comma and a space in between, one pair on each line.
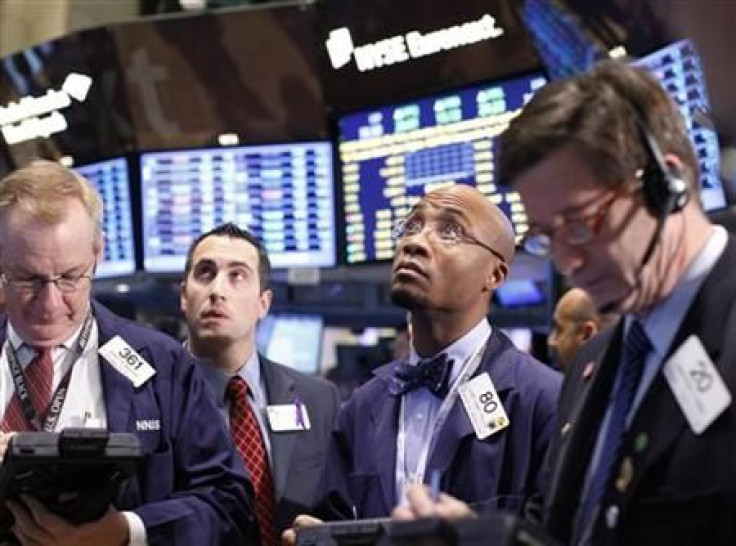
234, 232
601, 114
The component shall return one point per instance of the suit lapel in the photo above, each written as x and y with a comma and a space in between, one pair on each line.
279, 390
116, 388
711, 306
590, 381
381, 438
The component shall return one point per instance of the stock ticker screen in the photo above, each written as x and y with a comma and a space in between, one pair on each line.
391, 156
112, 182
282, 193
679, 70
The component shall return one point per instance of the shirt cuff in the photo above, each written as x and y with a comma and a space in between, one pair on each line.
137, 529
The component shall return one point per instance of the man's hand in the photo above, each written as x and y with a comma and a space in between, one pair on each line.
4, 441
421, 505
36, 526
288, 537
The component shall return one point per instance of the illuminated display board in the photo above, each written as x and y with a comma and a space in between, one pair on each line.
680, 72
282, 193
292, 340
391, 156
112, 182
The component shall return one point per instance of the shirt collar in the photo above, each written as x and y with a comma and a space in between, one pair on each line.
218, 378
462, 349
23, 348
663, 321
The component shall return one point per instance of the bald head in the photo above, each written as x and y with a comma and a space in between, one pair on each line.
577, 305
489, 223
574, 322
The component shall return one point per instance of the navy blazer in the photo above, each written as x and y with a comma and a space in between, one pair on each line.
191, 487
673, 487
299, 457
502, 470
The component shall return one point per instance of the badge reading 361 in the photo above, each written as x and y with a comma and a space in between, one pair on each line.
128, 362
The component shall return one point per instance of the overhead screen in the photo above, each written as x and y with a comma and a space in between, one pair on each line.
391, 156
292, 340
565, 46
112, 182
679, 70
283, 194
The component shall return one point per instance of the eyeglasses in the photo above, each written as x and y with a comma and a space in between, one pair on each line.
447, 231
64, 283
572, 231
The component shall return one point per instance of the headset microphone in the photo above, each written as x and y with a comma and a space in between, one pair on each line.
665, 192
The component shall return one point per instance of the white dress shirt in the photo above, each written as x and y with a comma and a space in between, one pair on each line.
84, 404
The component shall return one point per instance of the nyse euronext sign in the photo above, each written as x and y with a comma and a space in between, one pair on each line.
411, 45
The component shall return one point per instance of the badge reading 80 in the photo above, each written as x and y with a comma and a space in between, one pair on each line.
490, 408
484, 409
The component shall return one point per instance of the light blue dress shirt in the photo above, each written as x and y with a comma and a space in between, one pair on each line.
420, 407
251, 372
661, 325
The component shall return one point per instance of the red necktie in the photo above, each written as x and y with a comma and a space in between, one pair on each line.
249, 441
39, 375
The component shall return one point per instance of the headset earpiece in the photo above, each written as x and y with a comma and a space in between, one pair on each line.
665, 190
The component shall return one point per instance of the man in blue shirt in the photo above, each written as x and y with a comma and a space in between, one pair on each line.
468, 411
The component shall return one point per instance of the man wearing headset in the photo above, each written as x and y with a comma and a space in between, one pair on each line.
645, 443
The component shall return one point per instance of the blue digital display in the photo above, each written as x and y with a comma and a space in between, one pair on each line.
680, 72
112, 182
292, 340
282, 193
519, 292
564, 46
391, 156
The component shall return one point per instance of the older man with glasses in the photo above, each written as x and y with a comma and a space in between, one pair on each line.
65, 363
468, 411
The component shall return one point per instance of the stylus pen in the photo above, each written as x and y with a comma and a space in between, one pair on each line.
434, 485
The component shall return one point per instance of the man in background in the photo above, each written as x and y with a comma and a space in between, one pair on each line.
574, 321
281, 419
75, 363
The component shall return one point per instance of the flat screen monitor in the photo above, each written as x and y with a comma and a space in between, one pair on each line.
565, 46
391, 156
112, 182
680, 71
292, 340
282, 193
519, 293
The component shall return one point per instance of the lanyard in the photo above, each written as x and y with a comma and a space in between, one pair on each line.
57, 400
473, 363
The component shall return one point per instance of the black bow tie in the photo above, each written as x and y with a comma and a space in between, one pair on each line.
433, 373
